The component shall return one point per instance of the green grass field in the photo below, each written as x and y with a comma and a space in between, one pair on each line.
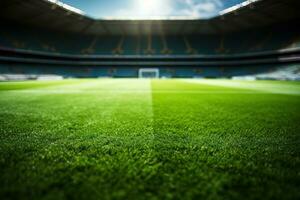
149, 139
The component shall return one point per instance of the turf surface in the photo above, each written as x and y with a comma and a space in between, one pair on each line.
149, 139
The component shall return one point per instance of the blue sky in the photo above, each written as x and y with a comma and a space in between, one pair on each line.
144, 9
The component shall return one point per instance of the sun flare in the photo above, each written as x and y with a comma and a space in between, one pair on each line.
152, 7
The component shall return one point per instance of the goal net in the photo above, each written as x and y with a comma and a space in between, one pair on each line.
149, 73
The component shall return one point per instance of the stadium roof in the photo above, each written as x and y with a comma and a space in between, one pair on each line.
151, 9
47, 14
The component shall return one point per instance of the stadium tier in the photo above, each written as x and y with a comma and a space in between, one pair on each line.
72, 45
267, 39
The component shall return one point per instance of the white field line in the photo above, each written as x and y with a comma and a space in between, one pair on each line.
251, 86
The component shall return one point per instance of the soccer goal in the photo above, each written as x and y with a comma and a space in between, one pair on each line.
149, 73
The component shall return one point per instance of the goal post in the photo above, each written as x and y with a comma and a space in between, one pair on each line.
149, 73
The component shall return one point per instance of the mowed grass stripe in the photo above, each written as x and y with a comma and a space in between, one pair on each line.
89, 145
223, 146
276, 87
76, 91
23, 85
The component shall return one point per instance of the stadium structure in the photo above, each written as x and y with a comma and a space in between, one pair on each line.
253, 38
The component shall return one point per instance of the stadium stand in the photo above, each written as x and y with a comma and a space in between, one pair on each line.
235, 43
229, 45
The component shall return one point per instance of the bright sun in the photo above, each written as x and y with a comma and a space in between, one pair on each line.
151, 7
